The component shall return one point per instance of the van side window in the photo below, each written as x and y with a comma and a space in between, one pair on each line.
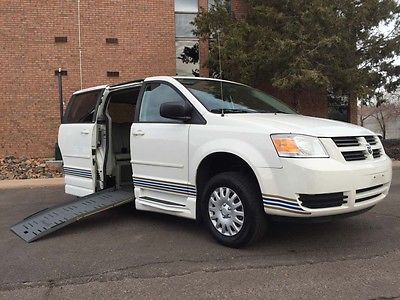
81, 107
154, 95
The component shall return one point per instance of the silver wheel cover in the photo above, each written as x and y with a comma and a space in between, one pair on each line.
226, 211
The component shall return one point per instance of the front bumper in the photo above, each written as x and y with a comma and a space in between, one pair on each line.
363, 185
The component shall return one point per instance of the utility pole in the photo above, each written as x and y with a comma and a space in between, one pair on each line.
57, 152
60, 94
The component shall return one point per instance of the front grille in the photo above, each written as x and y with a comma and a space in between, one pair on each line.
361, 198
346, 141
369, 188
358, 150
354, 155
371, 140
368, 197
322, 200
376, 153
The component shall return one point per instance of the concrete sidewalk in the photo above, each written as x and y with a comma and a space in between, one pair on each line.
396, 164
30, 183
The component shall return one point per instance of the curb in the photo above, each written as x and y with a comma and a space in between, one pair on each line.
396, 164
30, 183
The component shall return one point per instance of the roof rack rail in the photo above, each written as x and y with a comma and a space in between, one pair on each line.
127, 82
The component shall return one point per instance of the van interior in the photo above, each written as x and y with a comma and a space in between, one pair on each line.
120, 113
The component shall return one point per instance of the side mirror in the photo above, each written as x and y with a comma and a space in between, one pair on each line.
176, 110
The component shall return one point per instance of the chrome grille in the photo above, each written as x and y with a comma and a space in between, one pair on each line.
376, 153
323, 200
371, 140
354, 155
346, 141
369, 193
353, 148
371, 188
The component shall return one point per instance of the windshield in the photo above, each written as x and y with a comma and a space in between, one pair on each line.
218, 96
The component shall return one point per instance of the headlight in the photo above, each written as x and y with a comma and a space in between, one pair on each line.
297, 145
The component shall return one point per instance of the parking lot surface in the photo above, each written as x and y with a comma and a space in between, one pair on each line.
126, 254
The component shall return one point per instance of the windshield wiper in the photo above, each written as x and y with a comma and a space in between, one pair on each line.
281, 112
229, 110
271, 112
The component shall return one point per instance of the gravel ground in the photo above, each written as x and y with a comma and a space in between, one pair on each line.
392, 148
26, 168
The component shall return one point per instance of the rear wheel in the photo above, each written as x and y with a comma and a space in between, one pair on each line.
232, 209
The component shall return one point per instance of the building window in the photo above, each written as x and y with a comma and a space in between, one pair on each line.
183, 26
111, 40
187, 44
227, 4
60, 39
188, 6
112, 73
187, 58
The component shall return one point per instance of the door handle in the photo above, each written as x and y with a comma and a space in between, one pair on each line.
138, 133
85, 131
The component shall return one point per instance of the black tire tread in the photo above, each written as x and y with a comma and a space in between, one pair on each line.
250, 193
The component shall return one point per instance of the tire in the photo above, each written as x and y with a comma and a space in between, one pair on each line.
222, 211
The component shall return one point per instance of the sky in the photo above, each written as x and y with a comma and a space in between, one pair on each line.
386, 29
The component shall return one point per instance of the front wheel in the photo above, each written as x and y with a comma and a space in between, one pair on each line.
232, 209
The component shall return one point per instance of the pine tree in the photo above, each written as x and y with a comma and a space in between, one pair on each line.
334, 46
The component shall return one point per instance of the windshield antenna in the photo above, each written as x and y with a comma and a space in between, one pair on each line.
220, 73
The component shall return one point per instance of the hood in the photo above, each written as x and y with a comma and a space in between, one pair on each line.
292, 123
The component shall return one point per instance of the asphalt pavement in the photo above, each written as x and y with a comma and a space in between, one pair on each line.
125, 254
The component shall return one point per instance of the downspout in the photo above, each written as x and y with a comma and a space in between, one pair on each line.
80, 44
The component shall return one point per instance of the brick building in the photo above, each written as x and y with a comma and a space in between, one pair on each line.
94, 42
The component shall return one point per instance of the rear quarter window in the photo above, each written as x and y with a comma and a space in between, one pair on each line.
81, 107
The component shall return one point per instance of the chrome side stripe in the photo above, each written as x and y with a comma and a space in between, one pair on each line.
78, 172
164, 183
138, 183
156, 187
163, 202
287, 205
287, 209
282, 203
165, 186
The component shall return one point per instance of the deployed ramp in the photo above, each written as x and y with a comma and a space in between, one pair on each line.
50, 219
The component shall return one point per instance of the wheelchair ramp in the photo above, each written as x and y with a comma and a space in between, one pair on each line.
53, 218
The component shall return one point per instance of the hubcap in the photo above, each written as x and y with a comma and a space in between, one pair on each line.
226, 211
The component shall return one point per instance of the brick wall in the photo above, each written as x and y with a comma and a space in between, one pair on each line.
29, 109
145, 29
239, 8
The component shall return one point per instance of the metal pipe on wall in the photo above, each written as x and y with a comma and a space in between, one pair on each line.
80, 44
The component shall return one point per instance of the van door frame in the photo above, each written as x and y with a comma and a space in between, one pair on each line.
103, 183
71, 170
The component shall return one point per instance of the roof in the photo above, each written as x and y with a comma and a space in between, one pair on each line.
127, 82
205, 78
94, 88
117, 85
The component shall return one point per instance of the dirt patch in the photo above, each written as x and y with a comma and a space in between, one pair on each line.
392, 148
26, 168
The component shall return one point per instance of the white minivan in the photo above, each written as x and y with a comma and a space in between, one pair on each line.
218, 151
